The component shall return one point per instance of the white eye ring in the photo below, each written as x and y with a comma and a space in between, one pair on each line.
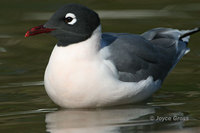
71, 15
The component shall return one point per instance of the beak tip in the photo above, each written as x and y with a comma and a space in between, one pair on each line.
27, 35
37, 30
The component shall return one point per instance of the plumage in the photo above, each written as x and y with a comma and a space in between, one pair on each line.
89, 69
153, 53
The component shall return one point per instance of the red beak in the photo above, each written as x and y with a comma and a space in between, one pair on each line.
38, 30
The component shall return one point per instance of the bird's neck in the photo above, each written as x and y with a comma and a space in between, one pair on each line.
92, 44
84, 50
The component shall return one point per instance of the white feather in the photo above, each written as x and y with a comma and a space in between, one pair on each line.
78, 76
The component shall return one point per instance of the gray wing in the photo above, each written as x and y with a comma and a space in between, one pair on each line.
137, 57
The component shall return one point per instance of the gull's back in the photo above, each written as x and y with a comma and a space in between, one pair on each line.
153, 53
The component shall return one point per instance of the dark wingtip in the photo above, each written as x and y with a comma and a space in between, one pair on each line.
190, 32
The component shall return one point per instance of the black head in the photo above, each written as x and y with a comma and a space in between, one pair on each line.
70, 24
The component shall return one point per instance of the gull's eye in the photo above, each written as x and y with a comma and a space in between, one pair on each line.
70, 18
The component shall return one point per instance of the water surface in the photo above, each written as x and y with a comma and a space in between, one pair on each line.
25, 106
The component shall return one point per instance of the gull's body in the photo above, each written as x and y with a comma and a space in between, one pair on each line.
80, 76
91, 69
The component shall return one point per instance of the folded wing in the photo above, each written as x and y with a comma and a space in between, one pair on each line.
154, 53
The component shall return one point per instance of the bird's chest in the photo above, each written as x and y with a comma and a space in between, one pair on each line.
75, 69
72, 73
77, 76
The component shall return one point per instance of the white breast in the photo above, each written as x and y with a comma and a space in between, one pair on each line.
78, 76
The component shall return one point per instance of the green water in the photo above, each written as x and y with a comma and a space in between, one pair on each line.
25, 106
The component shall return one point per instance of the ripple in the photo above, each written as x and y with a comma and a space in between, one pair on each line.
5, 36
163, 104
24, 84
117, 14
188, 7
48, 110
3, 50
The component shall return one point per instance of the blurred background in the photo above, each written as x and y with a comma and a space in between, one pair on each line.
24, 104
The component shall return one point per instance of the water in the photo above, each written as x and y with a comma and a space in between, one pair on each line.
24, 105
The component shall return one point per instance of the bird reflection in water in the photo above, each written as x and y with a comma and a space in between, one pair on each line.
96, 121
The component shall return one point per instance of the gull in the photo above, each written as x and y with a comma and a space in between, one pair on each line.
90, 69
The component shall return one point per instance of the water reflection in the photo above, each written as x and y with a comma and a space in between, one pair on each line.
98, 121
141, 118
